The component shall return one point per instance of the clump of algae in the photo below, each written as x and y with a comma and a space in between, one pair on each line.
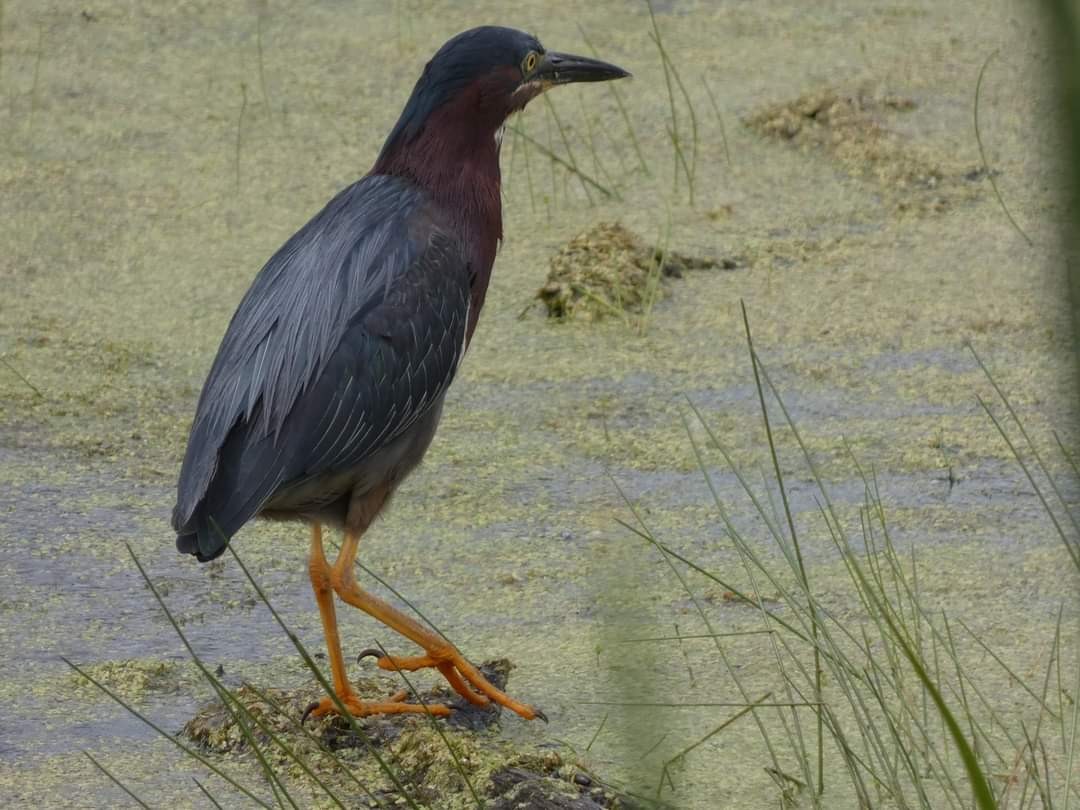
135, 679
854, 129
610, 271
508, 775
851, 127
830, 116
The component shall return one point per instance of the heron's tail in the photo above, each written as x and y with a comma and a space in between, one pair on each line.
203, 538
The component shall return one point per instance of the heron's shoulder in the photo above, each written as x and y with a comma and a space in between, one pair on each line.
378, 194
378, 217
378, 197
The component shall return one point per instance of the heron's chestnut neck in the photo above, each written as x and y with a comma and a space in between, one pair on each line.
453, 155
453, 152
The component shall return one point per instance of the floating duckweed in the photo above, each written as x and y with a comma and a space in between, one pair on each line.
135, 679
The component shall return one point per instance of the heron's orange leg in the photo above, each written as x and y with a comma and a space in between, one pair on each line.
320, 571
399, 663
441, 654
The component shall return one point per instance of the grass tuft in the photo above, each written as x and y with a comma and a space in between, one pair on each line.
982, 153
904, 717
674, 131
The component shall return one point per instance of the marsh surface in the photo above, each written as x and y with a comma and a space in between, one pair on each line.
151, 162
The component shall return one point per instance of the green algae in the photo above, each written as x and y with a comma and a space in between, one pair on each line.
136, 679
441, 767
607, 271
854, 129
128, 244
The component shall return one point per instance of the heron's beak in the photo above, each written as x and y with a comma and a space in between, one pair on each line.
563, 68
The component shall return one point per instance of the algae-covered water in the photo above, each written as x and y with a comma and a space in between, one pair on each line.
154, 155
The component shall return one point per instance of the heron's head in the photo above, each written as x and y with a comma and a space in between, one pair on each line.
479, 78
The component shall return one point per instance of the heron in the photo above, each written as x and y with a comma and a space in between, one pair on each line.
329, 382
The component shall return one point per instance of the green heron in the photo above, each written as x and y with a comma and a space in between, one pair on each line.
329, 383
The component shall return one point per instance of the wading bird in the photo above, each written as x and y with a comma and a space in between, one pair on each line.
329, 383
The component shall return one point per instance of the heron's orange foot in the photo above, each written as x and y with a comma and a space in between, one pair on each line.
395, 704
463, 677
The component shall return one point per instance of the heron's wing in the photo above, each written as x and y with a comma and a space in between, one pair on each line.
348, 334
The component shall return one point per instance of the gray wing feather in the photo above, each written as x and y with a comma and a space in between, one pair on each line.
350, 332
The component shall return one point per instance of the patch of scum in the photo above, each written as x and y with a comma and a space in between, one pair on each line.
840, 285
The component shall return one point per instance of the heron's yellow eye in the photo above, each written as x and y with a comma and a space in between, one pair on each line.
529, 63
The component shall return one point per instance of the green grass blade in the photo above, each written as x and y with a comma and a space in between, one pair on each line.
285, 748
191, 752
1070, 757
1074, 543
719, 118
673, 128
647, 534
1072, 548
299, 726
686, 636
982, 153
238, 711
567, 146
665, 771
112, 778
546, 152
22, 378
798, 548
661, 704
980, 787
622, 108
311, 665
1023, 684
209, 796
596, 733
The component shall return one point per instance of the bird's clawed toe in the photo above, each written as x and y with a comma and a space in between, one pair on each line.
462, 676
370, 652
307, 712
395, 704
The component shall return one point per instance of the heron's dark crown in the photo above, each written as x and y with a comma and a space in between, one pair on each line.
462, 60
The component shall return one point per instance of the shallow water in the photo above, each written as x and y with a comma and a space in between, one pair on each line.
148, 169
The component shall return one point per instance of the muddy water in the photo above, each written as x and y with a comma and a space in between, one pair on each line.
150, 164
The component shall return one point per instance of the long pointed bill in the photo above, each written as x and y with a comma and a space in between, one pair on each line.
564, 68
